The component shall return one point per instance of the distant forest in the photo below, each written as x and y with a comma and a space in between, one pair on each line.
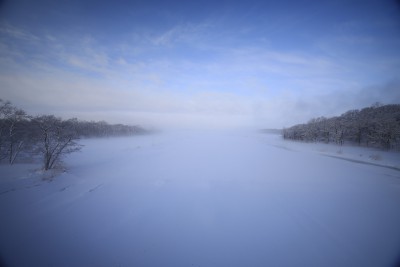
48, 137
376, 126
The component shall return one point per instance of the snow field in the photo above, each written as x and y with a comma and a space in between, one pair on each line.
202, 199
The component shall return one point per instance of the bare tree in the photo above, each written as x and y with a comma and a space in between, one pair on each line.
12, 132
49, 136
337, 130
5, 111
378, 126
16, 133
56, 138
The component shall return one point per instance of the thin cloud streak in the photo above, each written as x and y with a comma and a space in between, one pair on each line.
207, 68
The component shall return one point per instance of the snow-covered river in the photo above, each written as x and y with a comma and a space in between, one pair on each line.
201, 199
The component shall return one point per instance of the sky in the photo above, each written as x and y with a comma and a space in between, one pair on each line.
210, 64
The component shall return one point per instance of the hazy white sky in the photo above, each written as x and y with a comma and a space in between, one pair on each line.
262, 64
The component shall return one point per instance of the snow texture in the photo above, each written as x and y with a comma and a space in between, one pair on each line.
204, 199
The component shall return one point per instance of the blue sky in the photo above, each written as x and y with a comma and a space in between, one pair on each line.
205, 64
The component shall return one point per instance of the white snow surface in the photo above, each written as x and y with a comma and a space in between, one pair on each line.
204, 199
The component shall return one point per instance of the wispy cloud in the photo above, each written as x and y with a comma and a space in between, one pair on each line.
153, 80
17, 33
182, 33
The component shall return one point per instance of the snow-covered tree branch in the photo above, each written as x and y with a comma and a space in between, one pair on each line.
48, 136
376, 126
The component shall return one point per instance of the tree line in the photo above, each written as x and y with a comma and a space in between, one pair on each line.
48, 137
376, 126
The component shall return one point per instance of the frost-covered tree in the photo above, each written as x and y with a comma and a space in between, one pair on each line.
377, 126
17, 133
5, 111
55, 138
337, 129
13, 122
49, 136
